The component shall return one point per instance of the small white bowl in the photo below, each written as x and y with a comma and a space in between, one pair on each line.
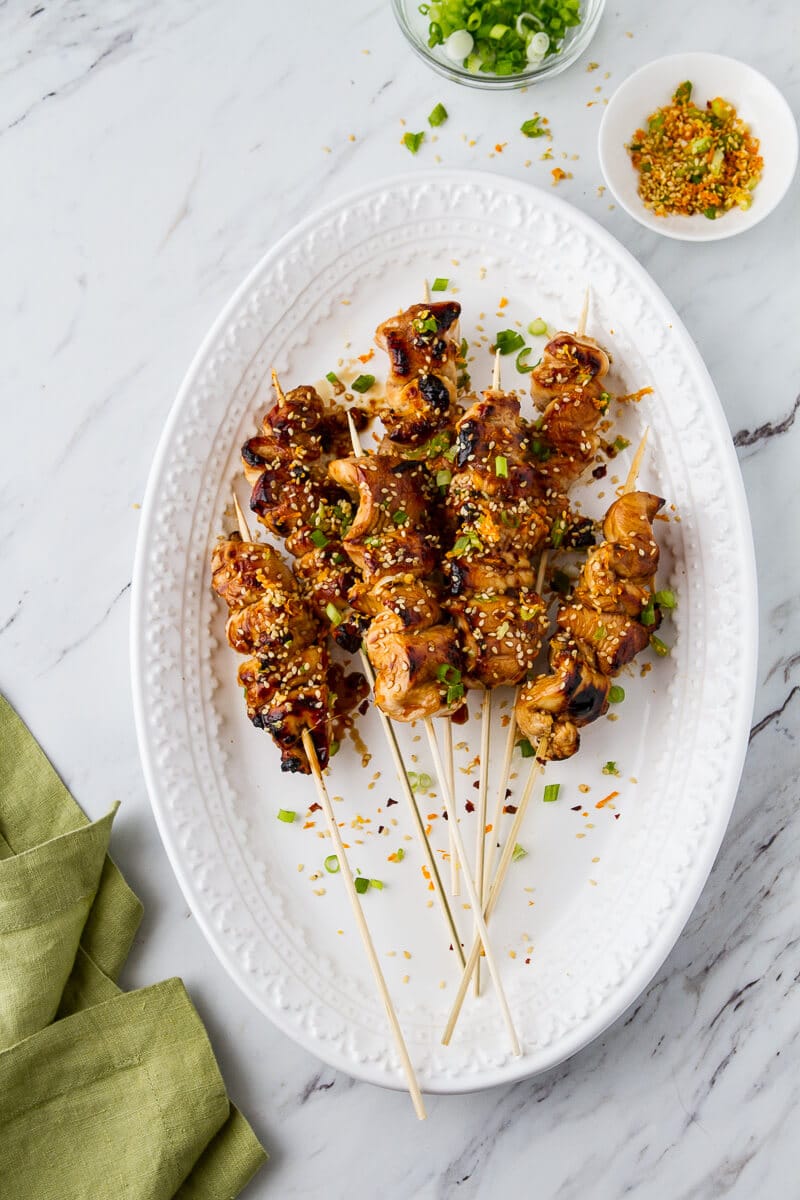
756, 100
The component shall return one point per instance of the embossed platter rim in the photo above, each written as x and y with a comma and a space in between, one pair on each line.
183, 721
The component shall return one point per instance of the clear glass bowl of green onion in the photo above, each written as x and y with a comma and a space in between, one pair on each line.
498, 44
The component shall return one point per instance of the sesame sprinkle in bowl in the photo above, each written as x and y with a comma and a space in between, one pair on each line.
685, 171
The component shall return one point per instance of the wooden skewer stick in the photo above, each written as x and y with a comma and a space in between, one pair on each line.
496, 372
363, 929
630, 482
450, 767
483, 792
494, 890
581, 329
402, 774
279, 392
472, 892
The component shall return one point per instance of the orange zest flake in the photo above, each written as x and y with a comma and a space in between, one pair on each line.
427, 875
503, 302
428, 830
558, 175
364, 358
606, 799
309, 824
433, 816
636, 396
500, 147
395, 857
487, 828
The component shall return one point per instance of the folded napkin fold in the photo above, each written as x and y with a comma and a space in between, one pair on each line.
103, 1093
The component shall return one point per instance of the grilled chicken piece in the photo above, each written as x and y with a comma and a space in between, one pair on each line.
286, 679
287, 464
393, 544
599, 629
568, 386
423, 348
500, 635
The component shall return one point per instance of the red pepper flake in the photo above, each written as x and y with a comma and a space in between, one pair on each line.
381, 828
602, 803
509, 808
577, 808
477, 784
390, 802
362, 708
470, 807
314, 807
616, 816
600, 472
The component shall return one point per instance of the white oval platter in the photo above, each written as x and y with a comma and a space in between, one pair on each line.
590, 913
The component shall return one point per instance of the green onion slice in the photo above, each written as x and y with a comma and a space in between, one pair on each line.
361, 884
331, 378
333, 614
413, 141
508, 341
538, 328
363, 383
438, 117
439, 284
443, 478
525, 748
616, 694
611, 768
551, 792
332, 864
533, 128
446, 673
286, 814
318, 538
518, 852
521, 361
501, 466
661, 648
666, 599
377, 884
648, 613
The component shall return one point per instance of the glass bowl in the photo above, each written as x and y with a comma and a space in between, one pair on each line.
415, 27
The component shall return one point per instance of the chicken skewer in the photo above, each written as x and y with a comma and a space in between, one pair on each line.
310, 749
424, 350
361, 467
294, 497
289, 681
629, 519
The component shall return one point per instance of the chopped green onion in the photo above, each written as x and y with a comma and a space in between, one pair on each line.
438, 117
557, 532
621, 443
331, 864
508, 341
419, 782
360, 884
448, 674
605, 400
333, 614
540, 450
717, 162
538, 328
443, 478
657, 122
439, 284
518, 852
497, 31
318, 538
286, 814
377, 884
363, 383
666, 599
661, 648
683, 92
710, 212
400, 853
331, 378
467, 541
611, 768
521, 361
551, 792
533, 127
501, 466
454, 692
527, 614
413, 141
700, 145
400, 517
599, 633
616, 694
502, 630
334, 748
648, 614
525, 748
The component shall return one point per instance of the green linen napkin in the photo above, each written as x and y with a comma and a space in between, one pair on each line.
102, 1092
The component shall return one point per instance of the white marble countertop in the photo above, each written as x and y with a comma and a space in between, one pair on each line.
151, 153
